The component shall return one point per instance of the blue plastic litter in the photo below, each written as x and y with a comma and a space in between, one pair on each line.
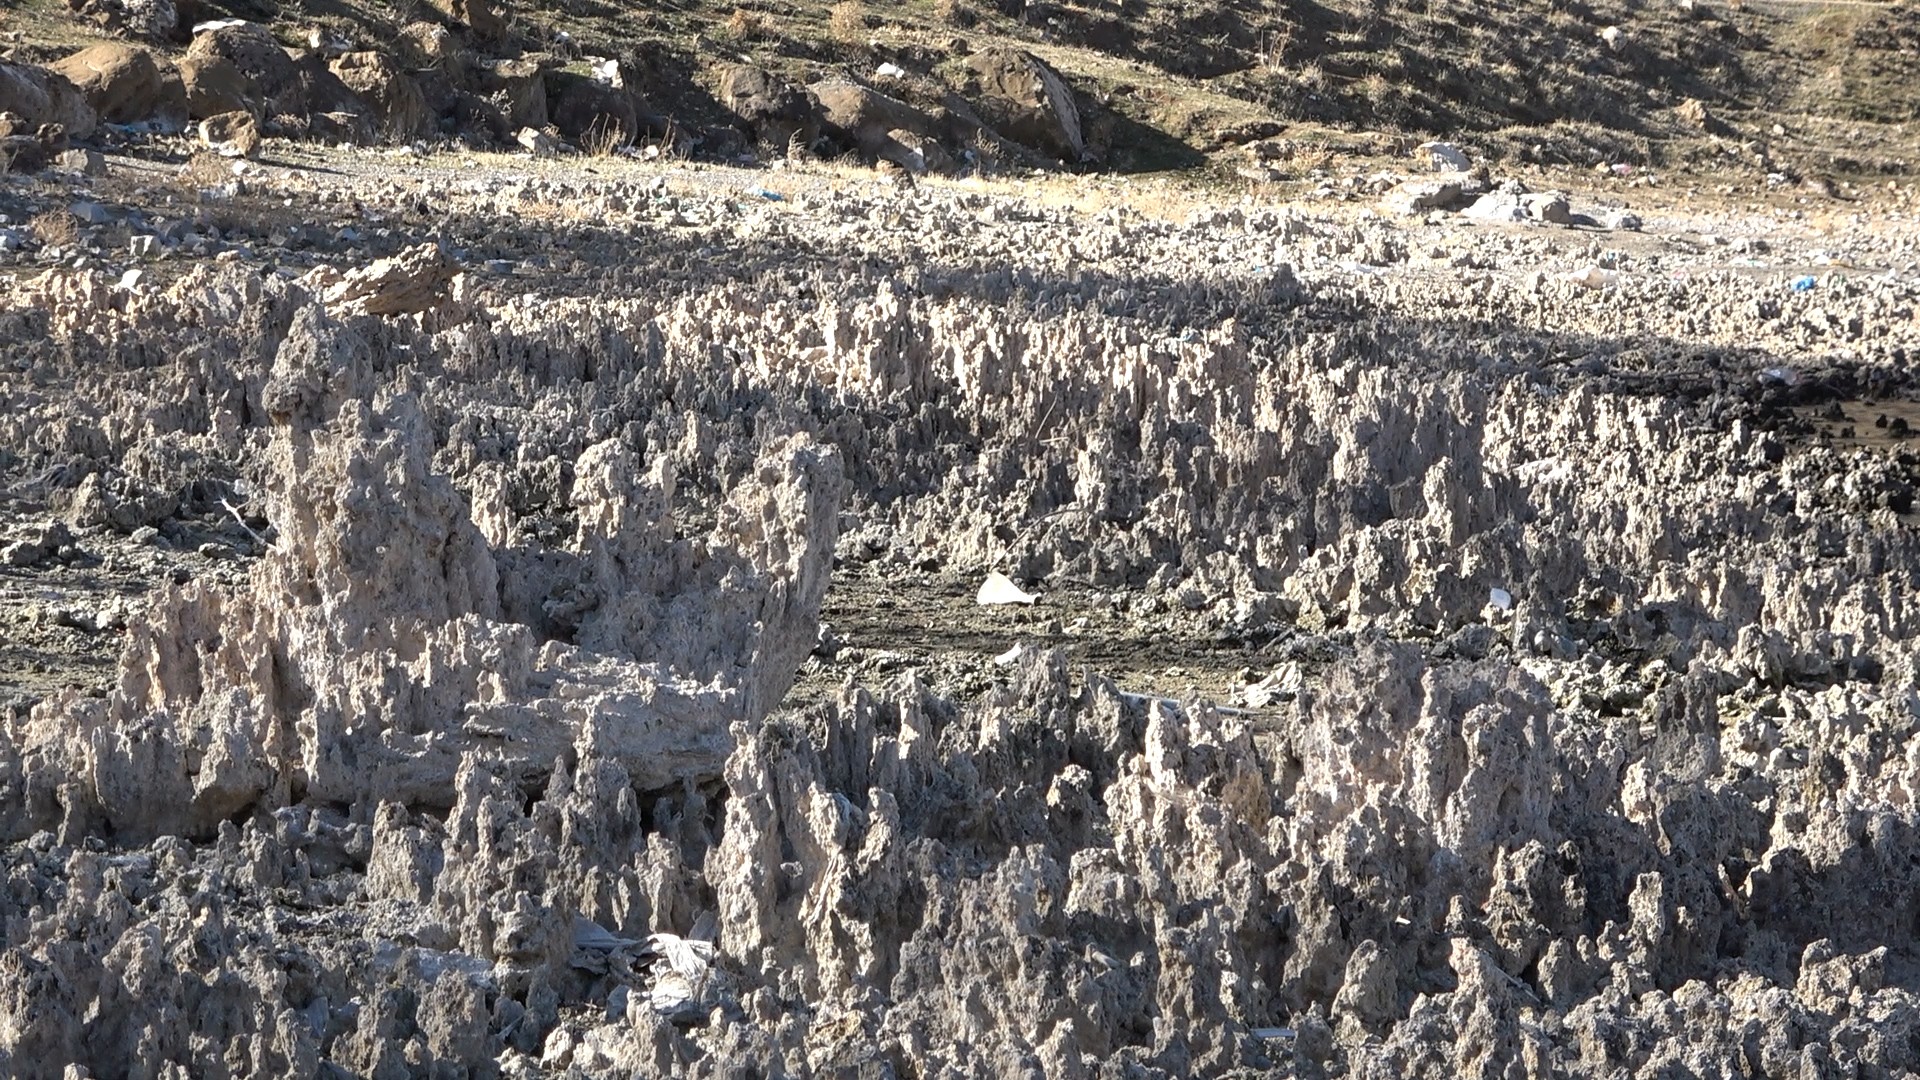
1804, 283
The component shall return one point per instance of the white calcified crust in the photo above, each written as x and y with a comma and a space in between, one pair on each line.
1654, 814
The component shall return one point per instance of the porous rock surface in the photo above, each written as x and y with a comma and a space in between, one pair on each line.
1596, 756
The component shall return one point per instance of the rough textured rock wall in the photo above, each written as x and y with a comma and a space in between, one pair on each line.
369, 653
1598, 756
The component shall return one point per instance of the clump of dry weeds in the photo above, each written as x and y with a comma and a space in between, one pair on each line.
743, 25
847, 22
54, 228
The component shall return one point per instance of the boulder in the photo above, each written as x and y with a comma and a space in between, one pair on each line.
398, 109
872, 122
475, 119
1415, 197
150, 20
1548, 207
28, 148
587, 111
518, 88
1027, 102
124, 83
915, 153
425, 45
1501, 206
38, 98
295, 96
411, 282
477, 17
234, 134
1693, 113
274, 86
213, 86
770, 109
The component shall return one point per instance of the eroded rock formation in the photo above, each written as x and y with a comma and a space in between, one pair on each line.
1589, 747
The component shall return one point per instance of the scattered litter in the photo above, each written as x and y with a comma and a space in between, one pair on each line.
1015, 653
1778, 376
211, 25
1500, 599
1283, 684
129, 280
1804, 283
1000, 589
686, 956
680, 972
1162, 699
890, 71
588, 934
1447, 157
770, 196
1272, 1033
1593, 277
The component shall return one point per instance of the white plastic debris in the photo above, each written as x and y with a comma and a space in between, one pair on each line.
680, 972
604, 70
1011, 655
1500, 599
1000, 589
685, 956
890, 70
1284, 684
1593, 277
216, 24
1271, 1033
1447, 157
588, 934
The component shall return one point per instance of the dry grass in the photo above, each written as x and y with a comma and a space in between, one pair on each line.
743, 25
603, 138
847, 22
55, 228
206, 169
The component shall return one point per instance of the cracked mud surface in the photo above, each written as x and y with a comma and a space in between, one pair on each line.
1439, 666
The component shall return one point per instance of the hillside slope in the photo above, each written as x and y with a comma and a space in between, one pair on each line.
1154, 84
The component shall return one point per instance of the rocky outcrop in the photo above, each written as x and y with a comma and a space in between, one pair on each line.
214, 86
478, 18
1027, 101
773, 112
379, 580
591, 112
881, 127
124, 84
157, 21
40, 98
1586, 749
273, 81
398, 107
